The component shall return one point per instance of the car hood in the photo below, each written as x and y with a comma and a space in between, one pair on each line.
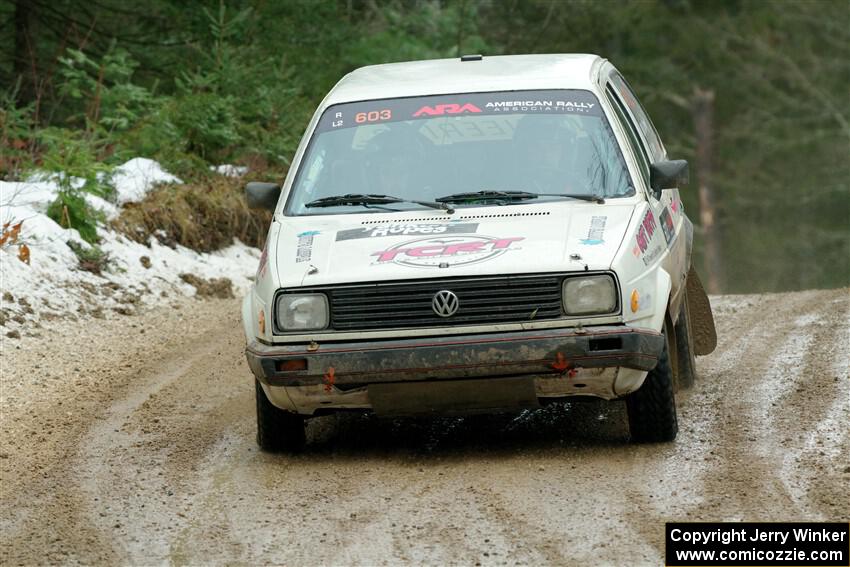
332, 249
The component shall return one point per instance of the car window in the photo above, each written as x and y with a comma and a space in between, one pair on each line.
631, 132
424, 148
650, 134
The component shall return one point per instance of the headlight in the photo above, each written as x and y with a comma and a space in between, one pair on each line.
590, 295
302, 312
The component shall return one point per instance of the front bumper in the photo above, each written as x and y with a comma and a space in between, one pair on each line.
542, 353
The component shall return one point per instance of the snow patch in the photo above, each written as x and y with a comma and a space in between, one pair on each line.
229, 170
40, 189
134, 179
53, 286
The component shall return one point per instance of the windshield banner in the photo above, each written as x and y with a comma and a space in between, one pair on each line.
349, 115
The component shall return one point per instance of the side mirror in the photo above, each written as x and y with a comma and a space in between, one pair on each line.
668, 175
262, 195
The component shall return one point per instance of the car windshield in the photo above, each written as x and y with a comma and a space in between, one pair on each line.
469, 149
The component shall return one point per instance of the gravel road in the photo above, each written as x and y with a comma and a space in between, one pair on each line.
130, 440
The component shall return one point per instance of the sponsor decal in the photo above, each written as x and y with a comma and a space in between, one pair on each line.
432, 252
449, 132
667, 225
405, 230
595, 231
305, 246
645, 231
675, 205
441, 109
653, 255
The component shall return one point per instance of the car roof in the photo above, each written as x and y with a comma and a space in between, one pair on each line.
444, 76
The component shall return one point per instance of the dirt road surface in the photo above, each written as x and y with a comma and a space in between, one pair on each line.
131, 441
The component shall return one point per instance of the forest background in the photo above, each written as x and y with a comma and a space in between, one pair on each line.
754, 93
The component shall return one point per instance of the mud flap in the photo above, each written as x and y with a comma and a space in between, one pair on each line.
702, 320
453, 397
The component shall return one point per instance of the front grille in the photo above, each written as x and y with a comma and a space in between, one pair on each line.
481, 300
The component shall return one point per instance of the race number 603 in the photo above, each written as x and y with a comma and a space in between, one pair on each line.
373, 116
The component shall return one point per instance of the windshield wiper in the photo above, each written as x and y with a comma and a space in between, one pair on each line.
512, 196
355, 199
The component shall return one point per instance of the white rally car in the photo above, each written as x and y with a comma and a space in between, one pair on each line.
475, 235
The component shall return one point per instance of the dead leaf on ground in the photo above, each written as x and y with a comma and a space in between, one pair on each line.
24, 254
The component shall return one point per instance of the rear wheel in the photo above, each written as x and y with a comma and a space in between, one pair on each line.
652, 408
278, 430
686, 360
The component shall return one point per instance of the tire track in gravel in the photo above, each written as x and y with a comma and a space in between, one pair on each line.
723, 415
51, 398
115, 468
154, 438
768, 407
744, 479
54, 533
818, 405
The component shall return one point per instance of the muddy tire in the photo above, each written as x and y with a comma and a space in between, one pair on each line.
685, 357
278, 430
652, 408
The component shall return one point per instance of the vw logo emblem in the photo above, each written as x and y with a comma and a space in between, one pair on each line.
445, 303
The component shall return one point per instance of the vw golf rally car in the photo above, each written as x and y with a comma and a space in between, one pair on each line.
475, 235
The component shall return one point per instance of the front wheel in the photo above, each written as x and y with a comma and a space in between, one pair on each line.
652, 408
278, 430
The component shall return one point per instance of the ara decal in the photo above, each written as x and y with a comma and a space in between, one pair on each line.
451, 108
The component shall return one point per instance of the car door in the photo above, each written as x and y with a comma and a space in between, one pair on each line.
666, 207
